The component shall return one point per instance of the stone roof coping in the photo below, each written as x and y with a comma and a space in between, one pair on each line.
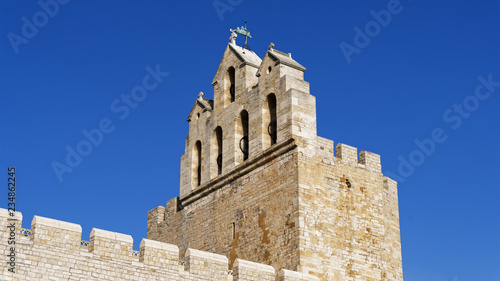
99, 233
159, 245
296, 275
253, 265
5, 213
286, 59
206, 255
37, 220
246, 55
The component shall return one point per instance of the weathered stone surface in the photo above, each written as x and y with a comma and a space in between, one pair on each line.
292, 204
53, 256
262, 197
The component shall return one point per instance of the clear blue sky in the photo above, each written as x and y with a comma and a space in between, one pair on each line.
415, 79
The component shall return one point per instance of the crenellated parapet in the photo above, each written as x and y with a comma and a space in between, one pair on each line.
367, 160
160, 254
348, 155
108, 244
200, 262
54, 249
54, 233
247, 270
352, 203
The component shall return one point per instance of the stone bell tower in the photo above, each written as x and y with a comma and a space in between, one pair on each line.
257, 183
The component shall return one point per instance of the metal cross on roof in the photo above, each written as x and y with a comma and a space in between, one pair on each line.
244, 31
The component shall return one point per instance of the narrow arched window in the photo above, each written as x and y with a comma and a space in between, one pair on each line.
244, 144
272, 128
269, 129
197, 164
230, 86
218, 139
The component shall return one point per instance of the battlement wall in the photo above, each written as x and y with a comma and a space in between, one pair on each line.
348, 155
53, 250
349, 212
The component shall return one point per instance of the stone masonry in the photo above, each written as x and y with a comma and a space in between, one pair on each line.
262, 197
53, 250
258, 183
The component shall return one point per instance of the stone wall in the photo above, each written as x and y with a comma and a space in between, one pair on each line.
332, 216
249, 213
250, 209
295, 108
349, 216
53, 250
297, 209
300, 204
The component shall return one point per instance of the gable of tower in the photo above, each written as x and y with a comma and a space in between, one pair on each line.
235, 75
200, 105
275, 58
258, 183
243, 57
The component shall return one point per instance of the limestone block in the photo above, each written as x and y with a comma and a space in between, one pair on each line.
56, 233
291, 82
325, 149
6, 222
371, 161
347, 154
156, 215
288, 275
206, 263
250, 271
159, 254
5, 217
391, 186
111, 244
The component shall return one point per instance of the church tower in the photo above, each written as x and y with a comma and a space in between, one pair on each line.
258, 183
